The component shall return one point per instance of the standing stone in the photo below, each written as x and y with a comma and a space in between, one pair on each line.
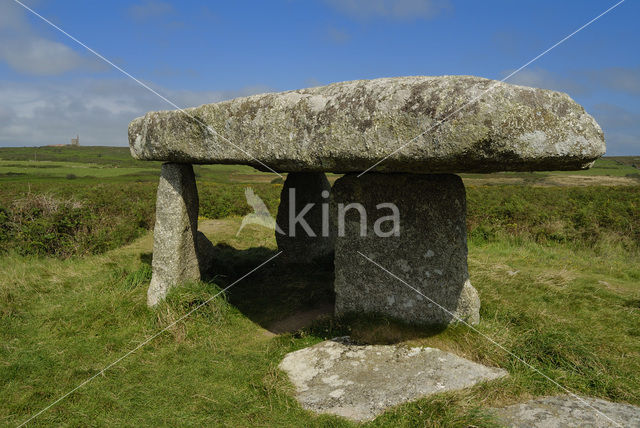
175, 237
314, 243
429, 251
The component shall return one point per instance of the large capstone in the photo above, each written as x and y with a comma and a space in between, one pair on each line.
360, 382
426, 248
304, 235
445, 124
175, 235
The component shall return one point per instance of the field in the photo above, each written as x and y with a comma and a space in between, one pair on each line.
555, 257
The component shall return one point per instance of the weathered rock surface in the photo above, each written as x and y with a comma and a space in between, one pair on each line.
175, 238
297, 243
429, 250
569, 412
360, 382
348, 126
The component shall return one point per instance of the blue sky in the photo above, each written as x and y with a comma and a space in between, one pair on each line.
197, 52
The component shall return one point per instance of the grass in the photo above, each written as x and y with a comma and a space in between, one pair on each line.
575, 215
64, 320
557, 269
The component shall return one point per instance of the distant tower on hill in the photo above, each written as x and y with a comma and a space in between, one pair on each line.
75, 141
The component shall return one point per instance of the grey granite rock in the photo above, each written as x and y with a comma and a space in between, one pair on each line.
429, 251
457, 124
567, 411
175, 256
359, 382
312, 240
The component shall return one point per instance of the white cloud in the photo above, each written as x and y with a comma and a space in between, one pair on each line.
615, 116
394, 9
338, 36
620, 79
540, 78
621, 128
11, 16
42, 112
312, 82
150, 9
39, 56
624, 80
157, 13
98, 110
24, 50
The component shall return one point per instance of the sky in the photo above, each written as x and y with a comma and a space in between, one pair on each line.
196, 52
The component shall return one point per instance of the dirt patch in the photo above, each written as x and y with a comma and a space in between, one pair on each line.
588, 180
555, 180
301, 319
220, 227
492, 181
252, 178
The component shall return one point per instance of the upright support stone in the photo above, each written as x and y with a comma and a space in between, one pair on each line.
175, 236
305, 237
429, 252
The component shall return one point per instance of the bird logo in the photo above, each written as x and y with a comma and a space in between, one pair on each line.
260, 214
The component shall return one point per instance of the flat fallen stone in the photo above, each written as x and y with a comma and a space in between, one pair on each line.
567, 411
359, 382
455, 124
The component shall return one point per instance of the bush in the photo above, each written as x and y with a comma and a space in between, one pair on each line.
64, 219
223, 200
75, 220
583, 216
42, 224
4, 225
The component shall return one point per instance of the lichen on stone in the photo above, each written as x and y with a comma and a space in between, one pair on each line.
443, 124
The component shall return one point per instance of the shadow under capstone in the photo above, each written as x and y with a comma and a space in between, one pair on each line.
276, 291
283, 297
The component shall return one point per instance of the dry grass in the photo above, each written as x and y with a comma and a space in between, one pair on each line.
552, 180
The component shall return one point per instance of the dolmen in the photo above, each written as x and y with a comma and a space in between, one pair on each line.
396, 219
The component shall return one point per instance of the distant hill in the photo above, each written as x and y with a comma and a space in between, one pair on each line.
616, 166
105, 155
